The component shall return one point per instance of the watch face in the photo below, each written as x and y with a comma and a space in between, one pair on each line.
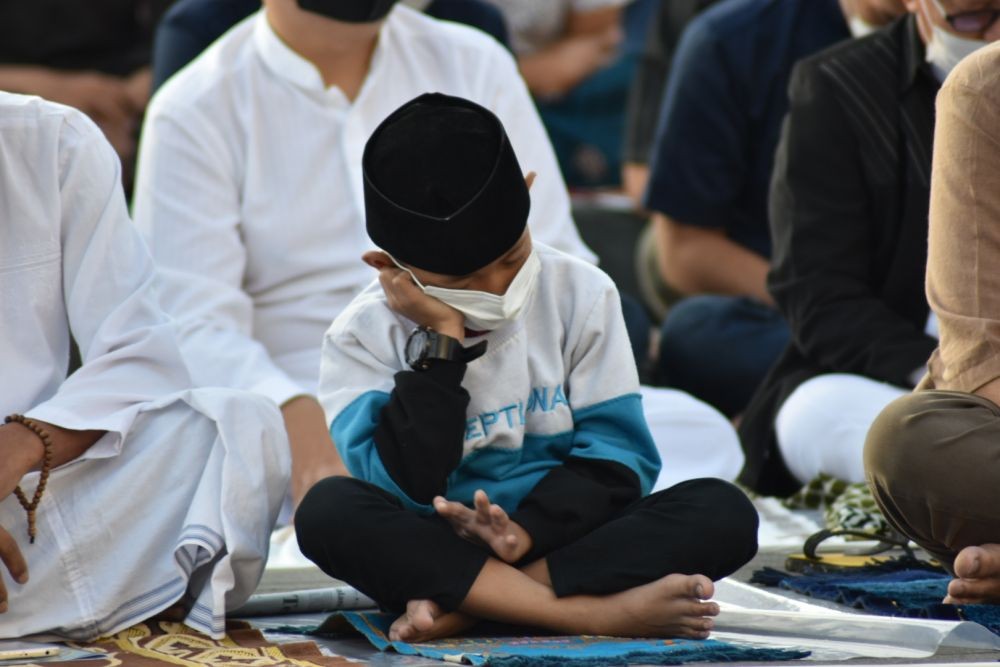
416, 344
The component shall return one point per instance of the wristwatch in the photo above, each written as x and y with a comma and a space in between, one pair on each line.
425, 346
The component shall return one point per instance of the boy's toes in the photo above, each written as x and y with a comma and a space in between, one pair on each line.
422, 614
400, 629
701, 586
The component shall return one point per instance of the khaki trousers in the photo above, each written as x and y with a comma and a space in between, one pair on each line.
932, 459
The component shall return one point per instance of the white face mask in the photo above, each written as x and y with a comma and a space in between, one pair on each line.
946, 50
485, 311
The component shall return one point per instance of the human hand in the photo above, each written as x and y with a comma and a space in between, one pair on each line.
122, 138
20, 451
138, 85
590, 52
104, 98
635, 177
405, 298
14, 562
314, 455
486, 523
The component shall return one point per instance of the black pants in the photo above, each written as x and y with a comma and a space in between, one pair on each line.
357, 532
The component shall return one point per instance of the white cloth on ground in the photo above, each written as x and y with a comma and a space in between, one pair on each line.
693, 438
179, 495
762, 617
821, 427
249, 187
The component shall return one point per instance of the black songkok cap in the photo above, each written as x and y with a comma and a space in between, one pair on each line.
443, 189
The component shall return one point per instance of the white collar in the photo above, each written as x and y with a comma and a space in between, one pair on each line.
286, 63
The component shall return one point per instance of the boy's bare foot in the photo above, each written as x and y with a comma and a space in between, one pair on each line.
668, 607
977, 576
424, 620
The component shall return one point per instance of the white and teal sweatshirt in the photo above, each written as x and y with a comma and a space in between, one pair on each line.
548, 421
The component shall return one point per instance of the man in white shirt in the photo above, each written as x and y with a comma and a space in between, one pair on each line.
249, 188
143, 492
249, 185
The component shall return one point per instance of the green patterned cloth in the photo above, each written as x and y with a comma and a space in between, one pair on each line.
845, 506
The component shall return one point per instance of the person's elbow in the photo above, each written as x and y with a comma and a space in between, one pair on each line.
683, 253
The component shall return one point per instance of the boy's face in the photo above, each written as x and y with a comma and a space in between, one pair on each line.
494, 278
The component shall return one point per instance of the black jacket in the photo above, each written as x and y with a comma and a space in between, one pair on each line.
848, 213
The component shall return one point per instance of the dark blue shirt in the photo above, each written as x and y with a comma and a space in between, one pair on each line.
721, 117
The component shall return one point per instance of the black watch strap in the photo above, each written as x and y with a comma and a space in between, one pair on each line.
474, 352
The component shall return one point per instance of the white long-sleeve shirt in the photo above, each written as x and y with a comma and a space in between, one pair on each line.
178, 497
71, 260
249, 187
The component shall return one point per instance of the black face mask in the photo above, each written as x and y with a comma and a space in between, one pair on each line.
349, 11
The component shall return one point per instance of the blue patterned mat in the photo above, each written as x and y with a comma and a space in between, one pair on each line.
552, 651
897, 588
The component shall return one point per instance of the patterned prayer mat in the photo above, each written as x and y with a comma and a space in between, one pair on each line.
552, 651
904, 587
157, 643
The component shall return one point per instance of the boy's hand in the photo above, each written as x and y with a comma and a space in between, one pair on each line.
405, 298
488, 524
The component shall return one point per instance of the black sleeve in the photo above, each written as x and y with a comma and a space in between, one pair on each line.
823, 229
421, 430
650, 80
572, 500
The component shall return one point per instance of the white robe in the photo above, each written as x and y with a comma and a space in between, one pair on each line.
177, 498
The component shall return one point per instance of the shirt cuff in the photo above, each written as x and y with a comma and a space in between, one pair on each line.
280, 389
107, 446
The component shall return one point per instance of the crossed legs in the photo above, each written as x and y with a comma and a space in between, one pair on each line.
646, 572
932, 459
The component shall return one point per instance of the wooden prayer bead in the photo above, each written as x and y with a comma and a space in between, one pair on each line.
43, 479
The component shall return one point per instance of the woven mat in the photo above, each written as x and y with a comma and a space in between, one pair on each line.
554, 651
168, 643
903, 587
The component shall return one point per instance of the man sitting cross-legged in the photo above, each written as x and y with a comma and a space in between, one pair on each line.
143, 492
932, 458
482, 396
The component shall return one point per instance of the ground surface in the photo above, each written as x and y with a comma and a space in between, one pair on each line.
359, 649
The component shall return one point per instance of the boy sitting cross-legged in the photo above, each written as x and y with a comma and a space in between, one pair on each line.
484, 397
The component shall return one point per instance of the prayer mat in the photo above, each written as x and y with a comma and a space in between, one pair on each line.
157, 643
552, 651
904, 587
